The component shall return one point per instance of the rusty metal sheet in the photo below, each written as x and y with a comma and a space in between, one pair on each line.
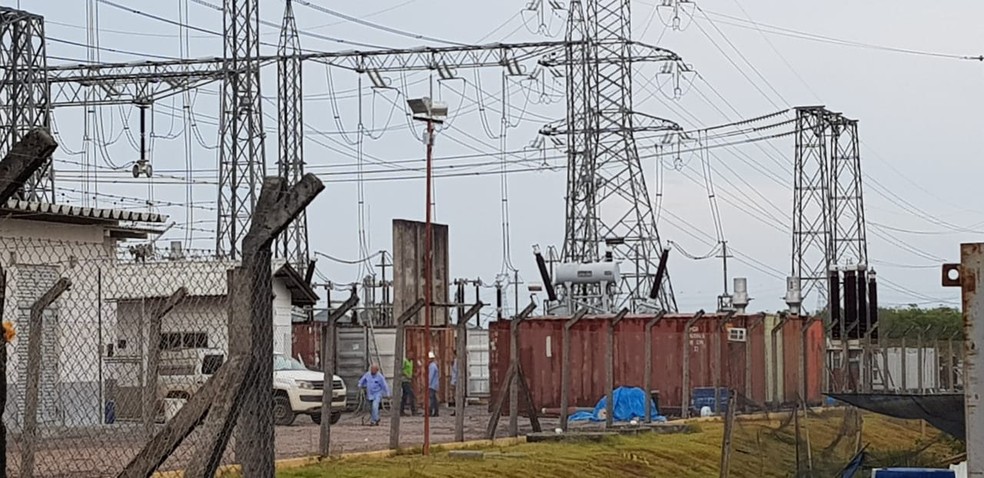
541, 341
442, 344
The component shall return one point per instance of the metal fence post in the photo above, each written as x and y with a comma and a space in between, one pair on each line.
328, 343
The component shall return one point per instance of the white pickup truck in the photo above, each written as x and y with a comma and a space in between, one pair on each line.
296, 390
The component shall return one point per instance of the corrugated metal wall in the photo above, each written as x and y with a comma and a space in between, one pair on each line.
714, 359
352, 355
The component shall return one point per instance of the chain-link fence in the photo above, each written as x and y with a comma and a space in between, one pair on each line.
123, 361
902, 360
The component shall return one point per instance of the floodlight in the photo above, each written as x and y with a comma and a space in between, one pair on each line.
425, 109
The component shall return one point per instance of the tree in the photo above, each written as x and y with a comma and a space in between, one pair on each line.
937, 323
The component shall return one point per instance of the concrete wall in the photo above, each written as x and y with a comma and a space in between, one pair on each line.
408, 268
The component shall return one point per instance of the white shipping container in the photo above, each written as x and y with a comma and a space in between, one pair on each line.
478, 363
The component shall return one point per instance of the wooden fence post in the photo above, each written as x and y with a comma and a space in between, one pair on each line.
35, 340
648, 378
514, 358
565, 366
328, 370
462, 385
610, 366
398, 355
150, 402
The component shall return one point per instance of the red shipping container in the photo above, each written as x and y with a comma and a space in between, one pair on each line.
715, 357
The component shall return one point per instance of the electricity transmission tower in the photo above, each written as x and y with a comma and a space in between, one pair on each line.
24, 91
241, 156
608, 201
292, 245
828, 202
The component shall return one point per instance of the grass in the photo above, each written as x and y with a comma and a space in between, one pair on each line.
759, 450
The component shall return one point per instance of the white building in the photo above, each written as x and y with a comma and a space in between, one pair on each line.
40, 243
94, 334
199, 321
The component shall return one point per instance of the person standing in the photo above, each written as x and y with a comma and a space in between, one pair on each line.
407, 385
376, 388
454, 384
433, 384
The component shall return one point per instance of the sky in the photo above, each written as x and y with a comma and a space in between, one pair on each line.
893, 65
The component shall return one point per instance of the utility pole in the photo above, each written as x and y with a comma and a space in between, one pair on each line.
430, 112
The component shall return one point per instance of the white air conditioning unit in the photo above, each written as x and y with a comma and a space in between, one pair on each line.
737, 334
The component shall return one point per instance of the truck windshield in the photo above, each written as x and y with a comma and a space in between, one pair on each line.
283, 362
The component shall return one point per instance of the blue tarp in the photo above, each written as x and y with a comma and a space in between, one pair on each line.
628, 404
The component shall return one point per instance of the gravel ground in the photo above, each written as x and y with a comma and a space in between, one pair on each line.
102, 452
350, 435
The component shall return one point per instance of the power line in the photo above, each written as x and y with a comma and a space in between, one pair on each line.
775, 30
376, 26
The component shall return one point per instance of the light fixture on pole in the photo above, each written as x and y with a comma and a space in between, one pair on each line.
430, 112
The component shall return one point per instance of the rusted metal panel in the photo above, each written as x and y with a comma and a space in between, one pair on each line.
306, 344
541, 343
442, 344
408, 268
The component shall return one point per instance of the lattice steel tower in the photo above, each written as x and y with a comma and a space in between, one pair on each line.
811, 191
607, 197
828, 201
293, 243
850, 238
24, 92
241, 158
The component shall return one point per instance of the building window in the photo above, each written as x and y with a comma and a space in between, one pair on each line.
184, 340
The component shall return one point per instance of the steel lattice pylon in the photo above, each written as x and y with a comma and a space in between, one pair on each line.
849, 241
292, 245
241, 157
828, 201
607, 197
811, 201
24, 91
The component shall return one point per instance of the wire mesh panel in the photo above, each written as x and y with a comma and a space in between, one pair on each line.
109, 348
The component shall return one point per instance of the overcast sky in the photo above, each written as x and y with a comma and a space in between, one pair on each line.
919, 122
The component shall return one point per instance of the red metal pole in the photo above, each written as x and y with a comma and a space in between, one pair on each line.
427, 283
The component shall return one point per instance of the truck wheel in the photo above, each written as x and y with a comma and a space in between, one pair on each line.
282, 413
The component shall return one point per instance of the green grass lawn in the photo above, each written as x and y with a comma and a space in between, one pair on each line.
759, 450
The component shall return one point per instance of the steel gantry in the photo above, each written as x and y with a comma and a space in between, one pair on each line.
24, 92
607, 196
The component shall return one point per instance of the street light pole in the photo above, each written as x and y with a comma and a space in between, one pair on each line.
431, 112
428, 292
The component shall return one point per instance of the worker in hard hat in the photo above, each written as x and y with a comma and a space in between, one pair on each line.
433, 384
376, 388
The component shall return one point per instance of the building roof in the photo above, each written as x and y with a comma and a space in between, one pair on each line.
121, 224
201, 278
50, 211
301, 292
